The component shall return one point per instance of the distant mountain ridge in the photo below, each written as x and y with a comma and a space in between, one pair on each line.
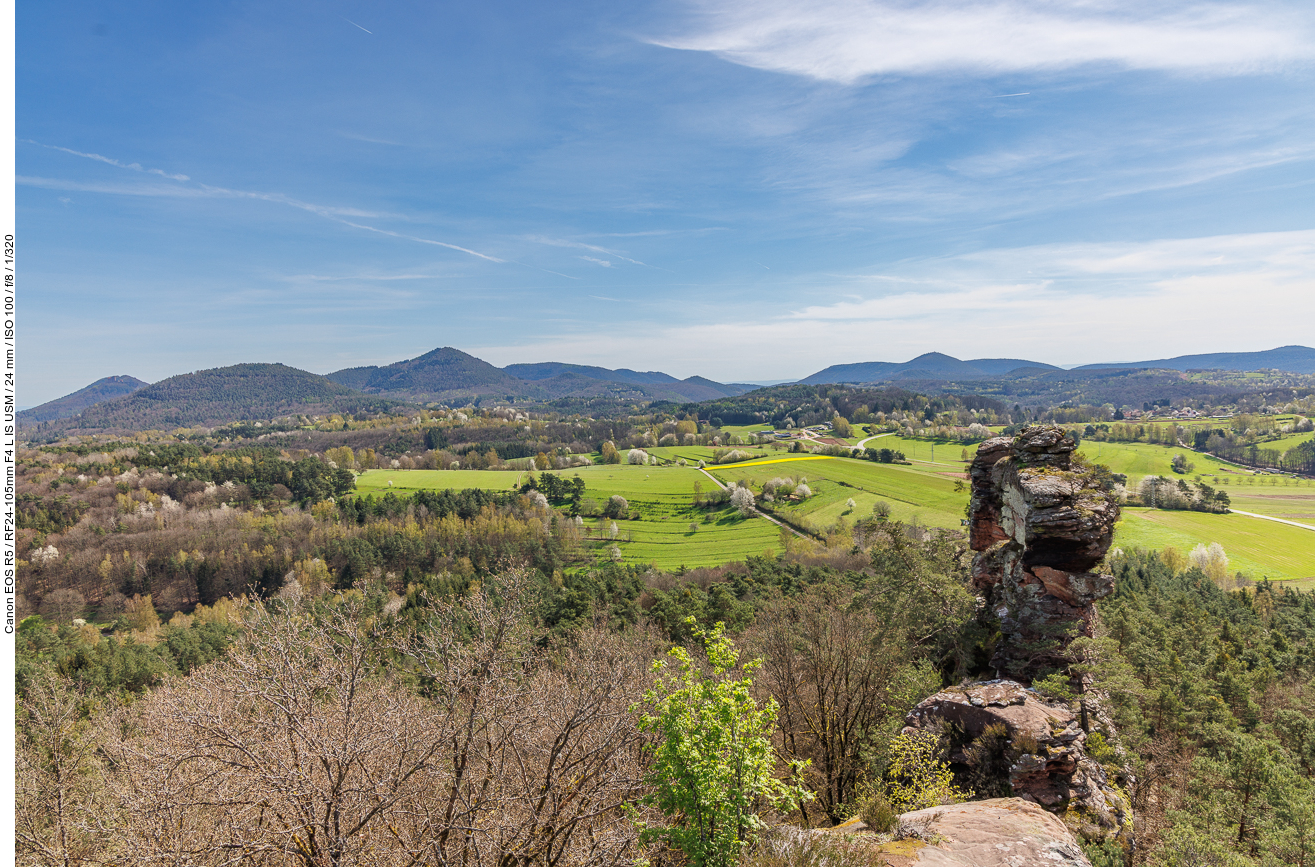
447, 373
548, 369
938, 366
71, 404
1293, 359
225, 394
930, 365
263, 391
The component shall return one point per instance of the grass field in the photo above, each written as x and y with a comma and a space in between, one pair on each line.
663, 496
923, 491
1138, 460
1258, 547
910, 491
1289, 441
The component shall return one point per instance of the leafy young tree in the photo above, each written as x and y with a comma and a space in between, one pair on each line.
916, 778
712, 765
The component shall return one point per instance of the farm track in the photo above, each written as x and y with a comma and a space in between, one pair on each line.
1269, 518
716, 481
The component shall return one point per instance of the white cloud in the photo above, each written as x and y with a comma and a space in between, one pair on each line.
136, 167
846, 41
1061, 303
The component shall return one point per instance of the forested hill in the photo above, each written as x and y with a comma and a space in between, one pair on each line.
71, 404
931, 365
1291, 359
224, 394
449, 374
443, 373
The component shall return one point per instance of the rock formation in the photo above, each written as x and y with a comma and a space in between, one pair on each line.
1043, 756
1040, 521
1001, 832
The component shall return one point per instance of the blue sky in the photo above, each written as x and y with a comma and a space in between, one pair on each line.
747, 190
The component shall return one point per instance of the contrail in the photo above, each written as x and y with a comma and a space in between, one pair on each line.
1007, 95
354, 24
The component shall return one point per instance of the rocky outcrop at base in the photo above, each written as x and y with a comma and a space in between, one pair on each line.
1040, 522
1001, 832
1039, 750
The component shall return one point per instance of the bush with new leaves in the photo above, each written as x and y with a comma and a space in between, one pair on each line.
712, 765
916, 778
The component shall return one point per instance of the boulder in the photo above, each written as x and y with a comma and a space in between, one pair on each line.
1046, 755
1003, 832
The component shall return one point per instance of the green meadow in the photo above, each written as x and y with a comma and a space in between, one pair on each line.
1138, 460
923, 491
663, 497
1255, 546
912, 493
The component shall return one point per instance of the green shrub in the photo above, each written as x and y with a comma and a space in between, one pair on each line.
916, 777
713, 762
877, 813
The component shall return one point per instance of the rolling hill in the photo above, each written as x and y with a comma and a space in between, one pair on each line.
548, 369
224, 394
448, 373
440, 374
931, 365
71, 404
1293, 359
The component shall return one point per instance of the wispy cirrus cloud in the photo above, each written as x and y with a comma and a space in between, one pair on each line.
846, 41
336, 278
188, 188
136, 167
578, 245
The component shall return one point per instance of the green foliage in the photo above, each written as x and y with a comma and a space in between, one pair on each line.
1193, 670
712, 765
916, 776
313, 480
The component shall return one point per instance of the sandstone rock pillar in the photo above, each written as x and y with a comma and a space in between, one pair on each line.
1040, 520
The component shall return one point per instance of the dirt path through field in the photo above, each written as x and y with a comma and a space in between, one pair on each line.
716, 481
862, 443
1269, 518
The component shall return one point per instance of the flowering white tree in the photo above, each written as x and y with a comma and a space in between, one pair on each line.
1212, 561
742, 499
637, 456
803, 492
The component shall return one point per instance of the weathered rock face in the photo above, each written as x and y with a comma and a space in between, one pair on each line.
1040, 524
1046, 754
1002, 832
